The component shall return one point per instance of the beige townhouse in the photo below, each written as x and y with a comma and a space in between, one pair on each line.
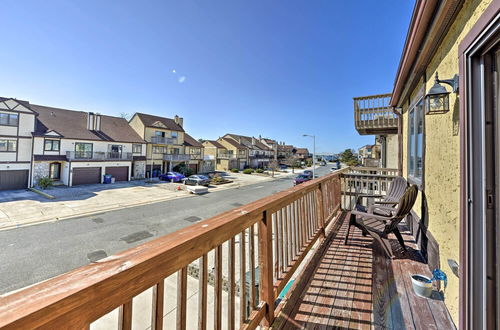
220, 155
238, 153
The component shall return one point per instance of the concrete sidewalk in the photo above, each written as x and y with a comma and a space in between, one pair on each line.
22, 208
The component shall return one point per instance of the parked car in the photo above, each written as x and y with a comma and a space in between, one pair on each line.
172, 176
301, 178
308, 173
197, 180
283, 167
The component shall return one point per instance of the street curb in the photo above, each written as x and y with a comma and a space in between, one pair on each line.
41, 193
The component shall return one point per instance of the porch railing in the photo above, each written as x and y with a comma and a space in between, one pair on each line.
97, 155
163, 140
274, 233
365, 182
373, 115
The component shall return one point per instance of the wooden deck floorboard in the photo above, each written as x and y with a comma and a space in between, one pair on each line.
355, 286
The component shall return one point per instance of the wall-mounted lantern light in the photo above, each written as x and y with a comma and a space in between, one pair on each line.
438, 98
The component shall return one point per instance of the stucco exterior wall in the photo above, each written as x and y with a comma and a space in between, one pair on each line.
440, 198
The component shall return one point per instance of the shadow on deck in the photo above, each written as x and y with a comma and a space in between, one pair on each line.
355, 286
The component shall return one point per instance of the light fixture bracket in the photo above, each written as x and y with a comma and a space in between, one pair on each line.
453, 82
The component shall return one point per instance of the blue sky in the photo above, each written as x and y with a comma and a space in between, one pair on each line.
272, 68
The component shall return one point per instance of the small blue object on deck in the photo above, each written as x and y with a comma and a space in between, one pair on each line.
285, 290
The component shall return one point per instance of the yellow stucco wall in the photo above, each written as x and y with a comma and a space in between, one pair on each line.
442, 152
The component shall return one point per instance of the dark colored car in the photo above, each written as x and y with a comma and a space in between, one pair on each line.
197, 180
283, 167
301, 178
172, 176
308, 173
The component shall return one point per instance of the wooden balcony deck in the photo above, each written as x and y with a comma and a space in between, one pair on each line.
373, 115
355, 286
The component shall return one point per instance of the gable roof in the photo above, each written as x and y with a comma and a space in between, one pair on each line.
14, 103
191, 142
234, 143
72, 124
302, 151
215, 144
161, 122
286, 147
247, 141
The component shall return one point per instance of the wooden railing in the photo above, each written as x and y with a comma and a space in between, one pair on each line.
365, 182
275, 233
373, 115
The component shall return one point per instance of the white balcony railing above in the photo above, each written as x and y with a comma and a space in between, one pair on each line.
176, 157
163, 140
89, 155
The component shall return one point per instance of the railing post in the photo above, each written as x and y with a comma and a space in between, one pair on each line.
320, 209
266, 266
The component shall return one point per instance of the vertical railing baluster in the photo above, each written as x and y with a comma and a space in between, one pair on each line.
243, 279
157, 310
218, 289
202, 293
181, 298
266, 262
230, 295
252, 268
125, 316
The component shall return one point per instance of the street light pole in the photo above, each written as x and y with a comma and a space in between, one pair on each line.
314, 153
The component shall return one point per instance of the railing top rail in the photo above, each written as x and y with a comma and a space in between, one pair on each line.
376, 96
81, 296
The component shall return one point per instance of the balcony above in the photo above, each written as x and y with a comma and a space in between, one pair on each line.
176, 157
373, 115
98, 156
163, 140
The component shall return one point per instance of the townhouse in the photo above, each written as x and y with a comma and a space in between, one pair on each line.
236, 150
165, 149
369, 155
302, 154
259, 155
219, 154
197, 162
17, 123
76, 147
444, 106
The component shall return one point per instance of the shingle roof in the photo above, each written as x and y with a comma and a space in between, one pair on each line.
150, 120
234, 143
302, 151
191, 142
216, 144
73, 125
247, 141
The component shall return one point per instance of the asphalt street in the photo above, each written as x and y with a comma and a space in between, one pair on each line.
32, 254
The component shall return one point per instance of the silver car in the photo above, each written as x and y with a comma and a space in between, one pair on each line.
197, 180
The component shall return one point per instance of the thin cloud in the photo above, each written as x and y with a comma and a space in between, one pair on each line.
182, 79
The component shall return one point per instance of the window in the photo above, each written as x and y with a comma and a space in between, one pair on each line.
51, 145
159, 150
8, 145
415, 142
158, 133
174, 135
137, 148
195, 151
9, 119
174, 151
83, 150
230, 152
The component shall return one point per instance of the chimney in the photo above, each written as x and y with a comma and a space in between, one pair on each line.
253, 141
179, 120
260, 137
90, 121
97, 124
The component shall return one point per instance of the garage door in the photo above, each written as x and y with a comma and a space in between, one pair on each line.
11, 180
86, 175
120, 173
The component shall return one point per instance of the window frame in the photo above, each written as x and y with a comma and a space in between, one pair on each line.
84, 143
413, 178
10, 142
51, 145
9, 115
156, 148
134, 148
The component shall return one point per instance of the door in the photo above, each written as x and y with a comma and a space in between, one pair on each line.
55, 171
120, 173
86, 175
481, 294
194, 167
115, 151
11, 180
